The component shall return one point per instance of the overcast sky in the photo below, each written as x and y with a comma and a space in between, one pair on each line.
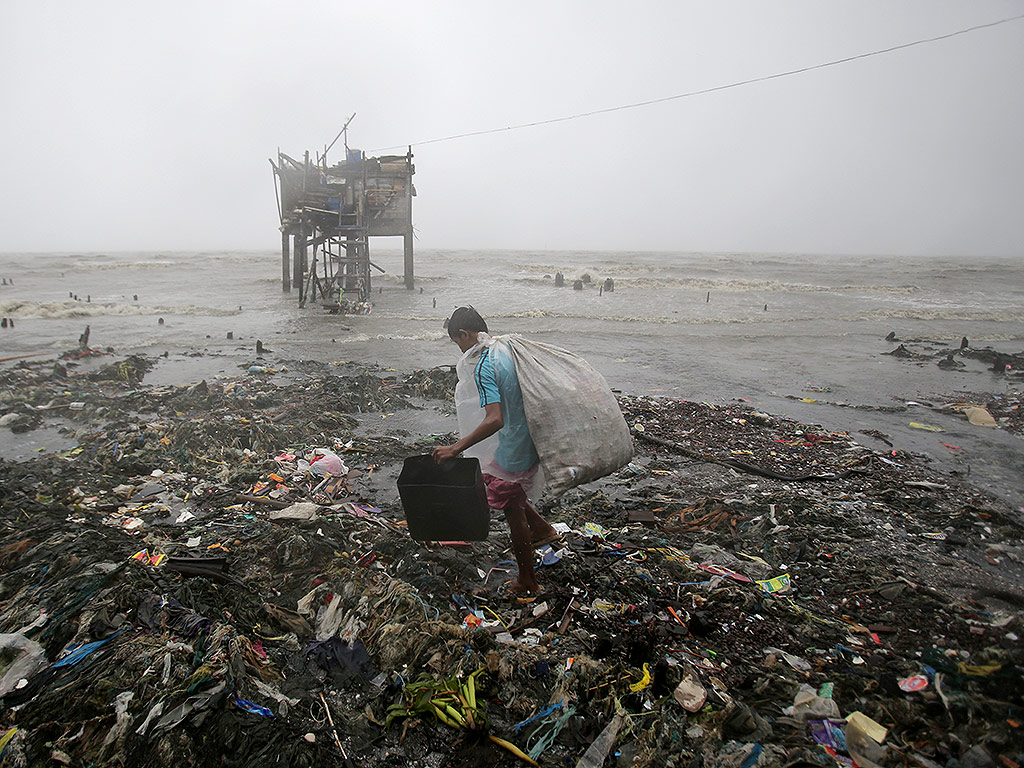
138, 126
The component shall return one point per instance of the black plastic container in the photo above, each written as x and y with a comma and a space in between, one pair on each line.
444, 502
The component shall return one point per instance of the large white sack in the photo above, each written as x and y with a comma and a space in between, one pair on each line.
575, 422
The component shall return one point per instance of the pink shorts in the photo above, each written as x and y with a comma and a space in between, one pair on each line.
504, 493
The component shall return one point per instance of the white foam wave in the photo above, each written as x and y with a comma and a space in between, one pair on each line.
426, 336
734, 286
996, 316
575, 270
243, 258
544, 313
360, 338
53, 309
435, 320
99, 266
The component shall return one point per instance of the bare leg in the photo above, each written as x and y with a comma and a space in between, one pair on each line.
539, 527
522, 548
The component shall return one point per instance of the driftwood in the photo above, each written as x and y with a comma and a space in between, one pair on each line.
744, 466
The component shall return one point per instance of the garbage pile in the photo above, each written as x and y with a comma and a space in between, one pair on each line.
210, 578
986, 409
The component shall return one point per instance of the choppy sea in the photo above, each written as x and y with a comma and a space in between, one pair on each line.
772, 330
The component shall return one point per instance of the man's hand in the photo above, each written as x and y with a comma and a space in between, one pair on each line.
493, 421
442, 453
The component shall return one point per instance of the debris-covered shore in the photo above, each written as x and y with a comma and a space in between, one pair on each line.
188, 584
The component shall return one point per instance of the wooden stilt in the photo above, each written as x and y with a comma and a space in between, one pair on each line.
300, 264
409, 279
286, 278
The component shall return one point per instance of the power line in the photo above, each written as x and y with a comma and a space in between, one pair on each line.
713, 89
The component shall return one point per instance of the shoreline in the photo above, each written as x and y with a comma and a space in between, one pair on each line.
991, 458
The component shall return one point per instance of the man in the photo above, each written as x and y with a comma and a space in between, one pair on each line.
514, 466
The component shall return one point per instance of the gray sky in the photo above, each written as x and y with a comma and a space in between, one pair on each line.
138, 126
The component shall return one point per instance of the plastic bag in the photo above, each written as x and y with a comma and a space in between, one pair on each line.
328, 463
808, 705
19, 658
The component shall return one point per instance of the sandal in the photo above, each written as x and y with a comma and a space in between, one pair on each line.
554, 537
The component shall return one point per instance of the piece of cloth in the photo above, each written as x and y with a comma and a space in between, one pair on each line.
335, 657
497, 381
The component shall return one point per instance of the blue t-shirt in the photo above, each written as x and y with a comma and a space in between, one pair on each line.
496, 378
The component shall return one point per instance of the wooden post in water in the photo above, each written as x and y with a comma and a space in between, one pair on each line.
300, 263
407, 241
286, 279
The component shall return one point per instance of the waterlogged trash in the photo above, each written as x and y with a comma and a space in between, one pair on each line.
864, 739
690, 694
301, 510
794, 661
808, 705
778, 585
20, 658
328, 464
874, 731
721, 570
913, 683
979, 417
144, 557
255, 709
828, 733
253, 627
644, 681
926, 427
596, 753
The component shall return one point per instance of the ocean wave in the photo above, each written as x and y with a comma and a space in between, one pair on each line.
106, 266
614, 270
996, 316
235, 257
54, 309
426, 336
536, 314
544, 313
758, 286
361, 338
734, 286
435, 320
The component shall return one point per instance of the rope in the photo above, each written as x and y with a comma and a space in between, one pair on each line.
713, 89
